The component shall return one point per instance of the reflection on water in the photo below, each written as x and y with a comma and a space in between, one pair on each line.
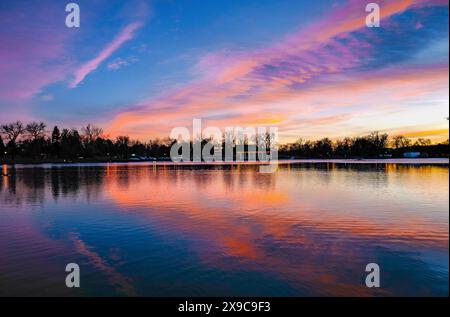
148, 230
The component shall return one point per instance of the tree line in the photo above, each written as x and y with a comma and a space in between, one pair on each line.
374, 145
32, 142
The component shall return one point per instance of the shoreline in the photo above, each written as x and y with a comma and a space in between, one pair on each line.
401, 161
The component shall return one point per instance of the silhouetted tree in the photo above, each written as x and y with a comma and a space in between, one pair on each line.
35, 133
12, 131
56, 142
30, 141
323, 148
379, 142
91, 133
122, 143
344, 147
138, 148
56, 135
35, 130
71, 143
399, 141
422, 142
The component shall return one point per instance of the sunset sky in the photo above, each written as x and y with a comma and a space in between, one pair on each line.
311, 68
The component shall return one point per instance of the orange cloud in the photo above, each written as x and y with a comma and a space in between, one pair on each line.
441, 133
241, 91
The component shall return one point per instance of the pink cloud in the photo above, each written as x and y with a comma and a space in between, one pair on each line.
302, 85
289, 78
125, 35
32, 52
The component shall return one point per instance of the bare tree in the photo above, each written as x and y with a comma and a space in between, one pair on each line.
12, 131
122, 143
91, 133
422, 142
35, 130
399, 141
379, 140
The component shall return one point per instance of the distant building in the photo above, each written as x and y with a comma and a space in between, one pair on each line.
411, 154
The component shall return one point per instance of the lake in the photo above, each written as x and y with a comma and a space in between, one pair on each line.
142, 229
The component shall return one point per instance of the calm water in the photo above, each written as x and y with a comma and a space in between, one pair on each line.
306, 230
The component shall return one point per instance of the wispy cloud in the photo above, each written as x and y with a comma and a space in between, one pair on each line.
121, 62
125, 35
316, 72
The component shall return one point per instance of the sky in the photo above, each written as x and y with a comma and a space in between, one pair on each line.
312, 69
